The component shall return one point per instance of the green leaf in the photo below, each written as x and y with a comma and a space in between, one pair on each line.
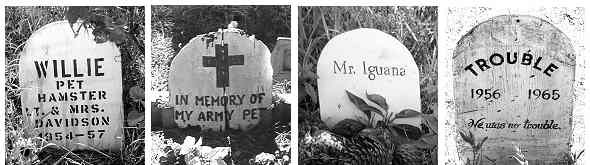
407, 113
362, 105
379, 100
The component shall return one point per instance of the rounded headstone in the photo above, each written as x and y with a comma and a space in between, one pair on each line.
219, 76
366, 61
72, 88
513, 83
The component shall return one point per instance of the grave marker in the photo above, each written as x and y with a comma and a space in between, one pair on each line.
72, 88
366, 61
281, 59
221, 80
514, 77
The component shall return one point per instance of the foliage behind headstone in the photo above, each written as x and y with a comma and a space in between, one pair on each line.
266, 22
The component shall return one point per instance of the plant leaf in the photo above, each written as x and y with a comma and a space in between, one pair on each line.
379, 100
431, 140
362, 105
478, 146
117, 35
407, 113
398, 138
408, 131
188, 145
579, 154
75, 12
137, 93
311, 92
218, 153
199, 142
431, 122
466, 138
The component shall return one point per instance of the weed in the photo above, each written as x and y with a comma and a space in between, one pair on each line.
476, 147
572, 157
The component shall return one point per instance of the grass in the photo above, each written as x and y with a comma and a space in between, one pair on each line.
415, 27
21, 22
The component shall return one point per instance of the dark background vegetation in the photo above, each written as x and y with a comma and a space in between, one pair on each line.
172, 28
414, 27
21, 22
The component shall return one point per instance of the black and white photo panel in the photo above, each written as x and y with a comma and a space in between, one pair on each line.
222, 79
74, 84
368, 85
515, 77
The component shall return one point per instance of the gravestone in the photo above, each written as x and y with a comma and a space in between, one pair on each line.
281, 59
221, 80
366, 61
513, 83
72, 88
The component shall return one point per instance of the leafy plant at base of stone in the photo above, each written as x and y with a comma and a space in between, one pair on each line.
405, 130
353, 141
476, 148
21, 22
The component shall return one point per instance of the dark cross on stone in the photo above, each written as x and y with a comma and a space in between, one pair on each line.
222, 61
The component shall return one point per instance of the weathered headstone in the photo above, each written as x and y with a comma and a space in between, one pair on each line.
366, 61
72, 88
221, 79
514, 78
281, 59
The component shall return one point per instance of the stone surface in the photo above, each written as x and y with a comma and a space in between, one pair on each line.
504, 97
220, 76
366, 61
72, 88
281, 59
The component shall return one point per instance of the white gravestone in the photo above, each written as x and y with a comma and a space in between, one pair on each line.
72, 88
365, 61
514, 78
221, 78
